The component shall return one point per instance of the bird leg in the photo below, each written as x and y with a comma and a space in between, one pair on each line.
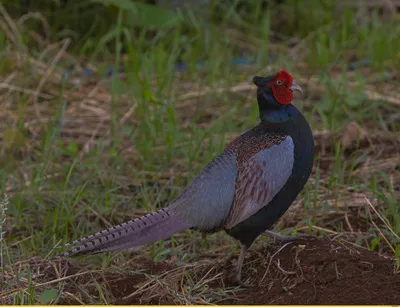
284, 239
237, 277
239, 266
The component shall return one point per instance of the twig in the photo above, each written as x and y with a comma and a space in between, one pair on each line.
47, 74
13, 27
237, 88
381, 233
346, 217
37, 16
3, 208
270, 260
381, 218
4, 294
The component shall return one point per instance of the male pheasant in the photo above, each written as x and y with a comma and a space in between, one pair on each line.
243, 191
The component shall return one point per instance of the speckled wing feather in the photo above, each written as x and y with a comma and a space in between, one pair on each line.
265, 163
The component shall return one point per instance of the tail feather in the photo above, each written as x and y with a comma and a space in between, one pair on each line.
151, 227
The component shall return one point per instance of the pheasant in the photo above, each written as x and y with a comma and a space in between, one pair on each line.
243, 191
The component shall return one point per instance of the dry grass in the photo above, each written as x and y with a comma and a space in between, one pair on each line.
353, 192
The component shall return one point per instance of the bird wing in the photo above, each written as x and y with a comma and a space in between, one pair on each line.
260, 177
205, 203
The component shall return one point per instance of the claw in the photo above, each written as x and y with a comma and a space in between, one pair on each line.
235, 279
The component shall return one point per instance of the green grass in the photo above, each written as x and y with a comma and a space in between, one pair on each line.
68, 171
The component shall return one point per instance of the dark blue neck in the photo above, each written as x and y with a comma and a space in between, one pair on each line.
272, 111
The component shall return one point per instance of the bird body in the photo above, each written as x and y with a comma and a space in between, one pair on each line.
297, 155
244, 190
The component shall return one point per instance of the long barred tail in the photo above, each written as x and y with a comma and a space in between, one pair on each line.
151, 227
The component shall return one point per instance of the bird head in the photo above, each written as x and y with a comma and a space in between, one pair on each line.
280, 85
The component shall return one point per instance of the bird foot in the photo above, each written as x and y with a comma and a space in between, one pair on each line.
285, 239
236, 280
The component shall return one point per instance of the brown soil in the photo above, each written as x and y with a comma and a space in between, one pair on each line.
316, 271
324, 272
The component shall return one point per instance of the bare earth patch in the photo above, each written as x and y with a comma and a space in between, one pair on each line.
326, 272
312, 271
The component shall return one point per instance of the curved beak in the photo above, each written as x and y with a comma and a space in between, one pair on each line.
296, 87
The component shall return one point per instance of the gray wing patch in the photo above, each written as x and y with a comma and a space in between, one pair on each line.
205, 203
260, 178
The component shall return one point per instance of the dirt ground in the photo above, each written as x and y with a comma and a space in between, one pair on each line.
312, 271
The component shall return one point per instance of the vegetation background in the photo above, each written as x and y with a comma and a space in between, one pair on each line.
108, 108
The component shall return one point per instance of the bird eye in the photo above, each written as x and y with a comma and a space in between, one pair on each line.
279, 82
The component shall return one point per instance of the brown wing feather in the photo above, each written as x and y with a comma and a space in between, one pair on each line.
260, 177
250, 189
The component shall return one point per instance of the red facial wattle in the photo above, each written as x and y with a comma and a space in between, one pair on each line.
282, 93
